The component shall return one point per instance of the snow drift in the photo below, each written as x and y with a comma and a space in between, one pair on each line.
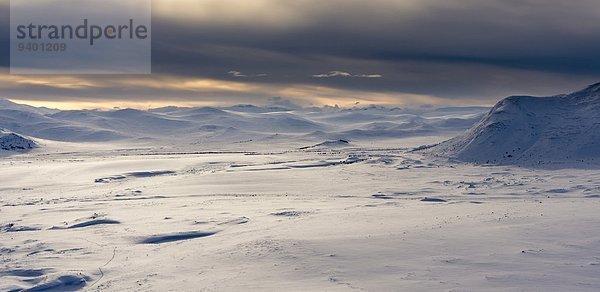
533, 131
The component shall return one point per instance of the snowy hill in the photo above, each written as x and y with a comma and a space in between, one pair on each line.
10, 141
235, 123
9, 105
528, 130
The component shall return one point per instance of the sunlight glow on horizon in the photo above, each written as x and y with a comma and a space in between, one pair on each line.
108, 105
160, 91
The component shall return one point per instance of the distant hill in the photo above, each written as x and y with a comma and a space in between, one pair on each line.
9, 105
235, 123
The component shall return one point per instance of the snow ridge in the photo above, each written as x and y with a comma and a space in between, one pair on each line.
527, 130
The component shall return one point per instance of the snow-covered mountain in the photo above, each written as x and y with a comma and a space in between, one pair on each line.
6, 104
236, 123
10, 141
530, 130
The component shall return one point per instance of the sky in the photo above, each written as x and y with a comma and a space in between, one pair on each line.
406, 53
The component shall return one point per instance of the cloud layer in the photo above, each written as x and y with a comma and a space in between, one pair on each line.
380, 51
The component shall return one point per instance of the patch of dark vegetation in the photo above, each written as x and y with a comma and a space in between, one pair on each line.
288, 214
150, 173
137, 174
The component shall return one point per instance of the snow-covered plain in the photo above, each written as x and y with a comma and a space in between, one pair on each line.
263, 199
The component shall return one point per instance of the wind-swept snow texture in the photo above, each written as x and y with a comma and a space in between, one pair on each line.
528, 130
252, 198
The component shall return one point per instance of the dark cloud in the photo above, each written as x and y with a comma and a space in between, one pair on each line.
4, 34
490, 37
449, 49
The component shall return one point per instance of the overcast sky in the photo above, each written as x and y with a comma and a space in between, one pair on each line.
316, 52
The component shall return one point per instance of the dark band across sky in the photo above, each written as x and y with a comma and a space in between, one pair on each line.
400, 52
